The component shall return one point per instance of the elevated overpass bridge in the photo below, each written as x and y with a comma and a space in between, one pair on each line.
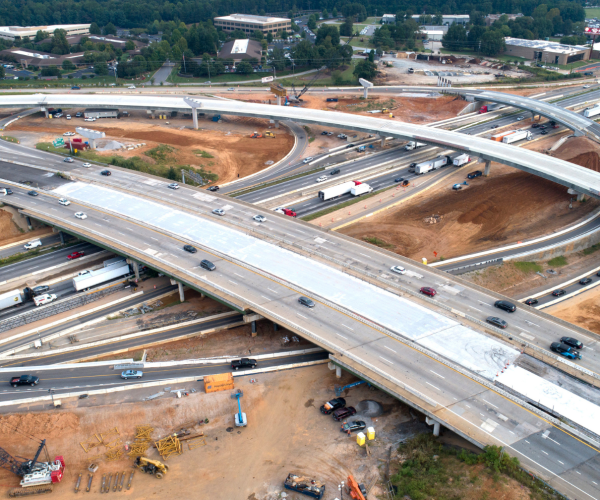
562, 172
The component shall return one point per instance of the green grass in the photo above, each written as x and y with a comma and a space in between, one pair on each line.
324, 79
473, 53
203, 154
275, 183
231, 77
592, 249
102, 81
590, 13
8, 138
528, 267
161, 153
377, 242
558, 261
357, 43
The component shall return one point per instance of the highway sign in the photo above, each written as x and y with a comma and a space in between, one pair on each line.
595, 31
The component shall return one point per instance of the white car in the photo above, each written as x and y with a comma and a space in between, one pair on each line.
173, 185
230, 88
306, 160
586, 86
260, 218
520, 118
86, 165
322, 178
218, 211
398, 269
68, 117
64, 201
80, 215
89, 120
131, 87
69, 133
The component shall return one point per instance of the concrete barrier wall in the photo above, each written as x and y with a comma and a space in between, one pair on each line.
569, 247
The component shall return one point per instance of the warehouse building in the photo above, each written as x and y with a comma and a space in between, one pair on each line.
446, 20
241, 50
249, 24
12, 33
546, 52
100, 113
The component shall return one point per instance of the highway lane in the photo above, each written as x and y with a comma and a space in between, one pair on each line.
66, 380
574, 287
52, 239
148, 295
452, 392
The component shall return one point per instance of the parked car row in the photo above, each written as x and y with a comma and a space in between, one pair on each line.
338, 409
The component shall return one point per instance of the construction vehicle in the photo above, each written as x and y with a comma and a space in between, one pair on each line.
339, 390
151, 466
256, 135
357, 491
304, 485
268, 133
240, 416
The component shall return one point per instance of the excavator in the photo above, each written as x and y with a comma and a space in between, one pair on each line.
151, 466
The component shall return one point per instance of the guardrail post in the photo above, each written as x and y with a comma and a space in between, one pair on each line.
486, 171
436, 425
181, 294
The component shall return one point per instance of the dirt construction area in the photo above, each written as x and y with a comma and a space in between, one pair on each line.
231, 151
582, 310
506, 207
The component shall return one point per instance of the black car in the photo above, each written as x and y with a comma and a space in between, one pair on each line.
413, 165
333, 405
79, 114
189, 248
531, 302
342, 413
324, 132
334, 171
236, 364
39, 290
105, 172
477, 173
355, 425
350, 146
565, 350
535, 125
305, 301
505, 305
208, 265
399, 179
213, 188
543, 132
559, 292
32, 193
24, 380
500, 323
570, 341
543, 127
585, 281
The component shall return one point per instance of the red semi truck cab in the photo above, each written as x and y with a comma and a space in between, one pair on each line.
290, 212
483, 109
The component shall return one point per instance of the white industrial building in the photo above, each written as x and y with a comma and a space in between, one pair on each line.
13, 33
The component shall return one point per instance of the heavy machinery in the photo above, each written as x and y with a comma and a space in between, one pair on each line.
339, 390
149, 466
357, 491
268, 133
255, 135
240, 416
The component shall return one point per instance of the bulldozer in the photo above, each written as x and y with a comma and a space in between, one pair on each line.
268, 133
151, 466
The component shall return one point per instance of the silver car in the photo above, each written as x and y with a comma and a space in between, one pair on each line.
127, 374
218, 211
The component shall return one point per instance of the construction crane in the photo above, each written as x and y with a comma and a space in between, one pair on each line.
296, 96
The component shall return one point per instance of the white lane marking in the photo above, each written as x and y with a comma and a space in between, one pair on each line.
271, 290
529, 322
560, 462
527, 442
471, 307
32, 268
467, 406
578, 473
265, 297
348, 327
436, 374
390, 349
155, 239
339, 335
364, 255
489, 403
511, 432
301, 316
586, 347
238, 275
594, 482
553, 441
433, 386
232, 282
387, 360
99, 225
129, 229
544, 452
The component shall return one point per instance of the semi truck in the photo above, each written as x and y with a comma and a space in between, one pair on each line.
88, 279
593, 111
501, 135
517, 136
10, 299
337, 191
361, 189
430, 165
461, 160
486, 108
413, 145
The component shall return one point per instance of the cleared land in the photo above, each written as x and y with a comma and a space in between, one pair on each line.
582, 310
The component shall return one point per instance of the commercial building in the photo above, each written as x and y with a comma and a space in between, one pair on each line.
12, 33
241, 50
388, 19
41, 59
249, 24
545, 51
492, 18
432, 34
446, 20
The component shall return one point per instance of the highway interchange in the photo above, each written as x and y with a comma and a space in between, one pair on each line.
457, 399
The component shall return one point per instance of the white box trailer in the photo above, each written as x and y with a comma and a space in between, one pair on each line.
413, 145
429, 165
10, 299
593, 111
92, 278
519, 135
336, 191
361, 189
461, 160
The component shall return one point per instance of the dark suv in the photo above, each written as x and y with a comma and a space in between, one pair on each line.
505, 305
24, 380
208, 265
39, 290
333, 405
189, 248
477, 173
344, 413
236, 364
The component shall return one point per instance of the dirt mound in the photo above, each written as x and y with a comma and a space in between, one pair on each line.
38, 424
368, 408
581, 151
589, 160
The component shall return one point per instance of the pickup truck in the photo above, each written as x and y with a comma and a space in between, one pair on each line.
236, 364
24, 380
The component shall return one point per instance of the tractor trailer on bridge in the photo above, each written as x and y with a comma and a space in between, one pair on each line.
517, 136
88, 279
337, 191
429, 165
593, 111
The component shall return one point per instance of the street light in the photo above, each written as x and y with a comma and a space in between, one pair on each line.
341, 490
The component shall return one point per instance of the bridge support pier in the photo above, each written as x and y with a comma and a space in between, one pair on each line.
276, 123
62, 237
486, 171
275, 327
338, 372
195, 117
136, 269
383, 138
581, 197
45, 112
29, 225
436, 425
278, 100
181, 294
253, 328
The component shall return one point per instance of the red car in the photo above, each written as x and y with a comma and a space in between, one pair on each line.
344, 413
428, 291
75, 255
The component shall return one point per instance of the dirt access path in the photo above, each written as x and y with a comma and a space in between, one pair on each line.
508, 206
582, 310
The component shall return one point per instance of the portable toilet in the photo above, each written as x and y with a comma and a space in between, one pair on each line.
360, 439
370, 433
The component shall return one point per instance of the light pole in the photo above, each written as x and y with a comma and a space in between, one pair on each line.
341, 490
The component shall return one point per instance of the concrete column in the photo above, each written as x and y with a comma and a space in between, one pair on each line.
29, 222
202, 295
254, 329
195, 118
46, 112
581, 197
486, 171
366, 93
92, 143
276, 123
436, 429
338, 372
278, 100
181, 294
275, 327
136, 270
382, 141
62, 237
152, 114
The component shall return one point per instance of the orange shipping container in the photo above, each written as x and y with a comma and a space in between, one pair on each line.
220, 382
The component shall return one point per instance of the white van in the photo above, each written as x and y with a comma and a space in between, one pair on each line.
33, 244
40, 300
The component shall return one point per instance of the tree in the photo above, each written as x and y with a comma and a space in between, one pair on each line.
68, 65
172, 174
334, 12
60, 45
269, 37
277, 59
244, 68
325, 31
365, 69
41, 35
492, 42
101, 68
455, 38
110, 29
257, 35
2, 73
337, 78
129, 45
312, 23
95, 29
347, 27
325, 14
